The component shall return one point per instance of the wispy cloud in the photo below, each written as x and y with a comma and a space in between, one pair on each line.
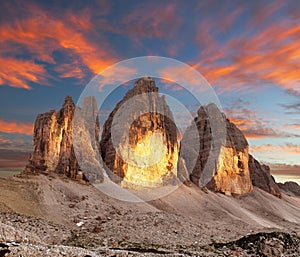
249, 123
17, 73
16, 127
292, 108
16, 142
286, 148
293, 126
254, 127
39, 36
265, 54
4, 140
12, 158
148, 20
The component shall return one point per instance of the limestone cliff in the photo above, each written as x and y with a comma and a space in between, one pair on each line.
139, 146
146, 151
53, 144
235, 171
230, 172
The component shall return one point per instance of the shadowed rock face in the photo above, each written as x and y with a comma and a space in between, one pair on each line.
146, 151
53, 146
290, 187
261, 177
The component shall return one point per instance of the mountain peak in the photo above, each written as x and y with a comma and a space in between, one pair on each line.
68, 101
145, 85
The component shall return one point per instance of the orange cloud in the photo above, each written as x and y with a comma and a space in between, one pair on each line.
13, 158
116, 75
181, 76
250, 129
270, 54
17, 73
252, 126
70, 71
16, 127
4, 140
287, 148
41, 34
293, 126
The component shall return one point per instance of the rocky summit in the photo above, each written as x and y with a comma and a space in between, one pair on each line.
229, 166
53, 140
145, 153
233, 169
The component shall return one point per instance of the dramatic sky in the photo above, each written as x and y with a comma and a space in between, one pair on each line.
249, 51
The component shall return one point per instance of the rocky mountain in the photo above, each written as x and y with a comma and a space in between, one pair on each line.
139, 146
145, 153
234, 170
49, 216
53, 141
230, 171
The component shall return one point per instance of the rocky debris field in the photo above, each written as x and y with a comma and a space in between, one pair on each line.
52, 216
29, 236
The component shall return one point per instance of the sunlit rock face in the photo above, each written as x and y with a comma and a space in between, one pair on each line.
229, 170
232, 174
146, 153
53, 142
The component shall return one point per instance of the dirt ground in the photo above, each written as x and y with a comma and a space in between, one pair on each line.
42, 215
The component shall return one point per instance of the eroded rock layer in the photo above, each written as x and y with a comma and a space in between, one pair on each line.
140, 149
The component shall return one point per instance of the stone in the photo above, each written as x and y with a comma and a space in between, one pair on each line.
53, 141
226, 160
183, 174
139, 140
262, 178
86, 132
234, 170
290, 187
139, 146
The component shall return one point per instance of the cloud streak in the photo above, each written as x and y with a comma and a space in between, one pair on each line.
287, 148
39, 36
16, 127
268, 54
147, 20
17, 73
